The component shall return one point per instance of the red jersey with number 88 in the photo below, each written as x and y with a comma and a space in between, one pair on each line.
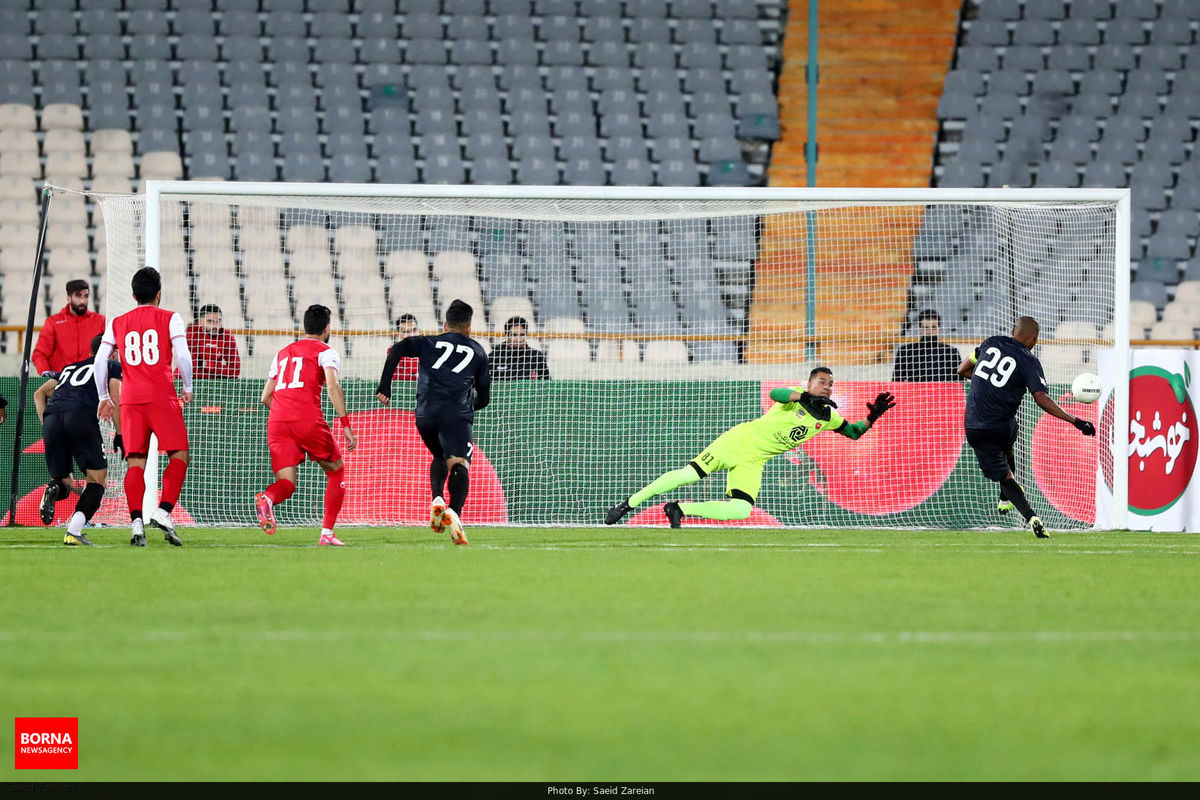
142, 340
299, 373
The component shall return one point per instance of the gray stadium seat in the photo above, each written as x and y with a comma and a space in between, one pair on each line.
1069, 56
1085, 128
513, 27
977, 57
1057, 174
1150, 291
746, 57
1008, 82
1078, 31
1045, 9
700, 55
701, 31
57, 46
1124, 31
1101, 81
989, 32
1036, 32
146, 21
1053, 81
1091, 9
1160, 56
1114, 56
99, 21
239, 22
1136, 9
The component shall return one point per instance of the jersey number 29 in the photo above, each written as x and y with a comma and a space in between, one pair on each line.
1003, 367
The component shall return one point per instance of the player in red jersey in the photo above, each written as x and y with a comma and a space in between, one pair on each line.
148, 400
296, 427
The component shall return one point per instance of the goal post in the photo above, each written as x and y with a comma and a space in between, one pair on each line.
666, 315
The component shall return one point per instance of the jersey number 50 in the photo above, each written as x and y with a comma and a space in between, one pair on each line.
141, 348
1004, 367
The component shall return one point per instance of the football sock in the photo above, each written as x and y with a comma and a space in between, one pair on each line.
135, 488
89, 501
718, 509
1013, 491
335, 493
460, 483
76, 523
664, 483
437, 476
62, 490
172, 483
280, 490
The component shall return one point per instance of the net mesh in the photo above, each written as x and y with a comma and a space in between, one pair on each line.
664, 323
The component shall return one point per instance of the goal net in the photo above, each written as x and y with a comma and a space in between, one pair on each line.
666, 317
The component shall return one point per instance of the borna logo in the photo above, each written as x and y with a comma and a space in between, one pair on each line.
46, 743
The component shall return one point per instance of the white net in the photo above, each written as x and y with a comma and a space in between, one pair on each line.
663, 322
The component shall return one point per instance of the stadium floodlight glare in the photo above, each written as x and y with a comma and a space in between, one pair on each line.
667, 314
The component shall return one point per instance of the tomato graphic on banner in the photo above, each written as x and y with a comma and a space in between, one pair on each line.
1163, 439
861, 475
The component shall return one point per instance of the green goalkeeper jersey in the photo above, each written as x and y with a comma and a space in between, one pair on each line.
783, 427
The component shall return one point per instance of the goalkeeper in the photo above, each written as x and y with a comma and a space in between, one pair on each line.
744, 450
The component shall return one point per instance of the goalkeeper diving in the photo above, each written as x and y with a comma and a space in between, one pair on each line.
743, 451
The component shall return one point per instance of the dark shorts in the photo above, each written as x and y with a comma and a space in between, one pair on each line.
447, 437
72, 436
992, 448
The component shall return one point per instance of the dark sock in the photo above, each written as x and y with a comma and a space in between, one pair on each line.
460, 482
167, 507
89, 501
135, 515
1013, 491
63, 490
437, 476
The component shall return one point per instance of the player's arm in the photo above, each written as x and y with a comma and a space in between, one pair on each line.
884, 401
43, 350
268, 392
966, 367
483, 384
108, 342
114, 391
409, 347
42, 396
183, 356
785, 395
1047, 404
337, 396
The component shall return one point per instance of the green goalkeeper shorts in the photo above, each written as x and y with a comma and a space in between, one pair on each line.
742, 472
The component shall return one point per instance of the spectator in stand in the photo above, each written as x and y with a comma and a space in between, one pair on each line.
3, 410
66, 337
214, 351
406, 370
514, 359
927, 360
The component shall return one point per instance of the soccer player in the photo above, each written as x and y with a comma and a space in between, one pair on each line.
743, 450
1001, 370
149, 404
454, 380
66, 405
296, 427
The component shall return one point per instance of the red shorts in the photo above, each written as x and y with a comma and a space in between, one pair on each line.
164, 419
291, 440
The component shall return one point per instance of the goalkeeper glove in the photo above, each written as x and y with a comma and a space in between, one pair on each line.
50, 373
883, 402
1085, 427
816, 402
119, 444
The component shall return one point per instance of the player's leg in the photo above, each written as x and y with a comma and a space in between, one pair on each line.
166, 421
335, 494
458, 445
87, 447
711, 460
742, 483
1005, 505
285, 456
135, 430
58, 463
989, 447
429, 430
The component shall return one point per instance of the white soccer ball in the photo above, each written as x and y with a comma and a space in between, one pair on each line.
1086, 387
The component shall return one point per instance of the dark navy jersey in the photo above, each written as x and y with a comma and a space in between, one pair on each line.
454, 377
76, 390
1004, 371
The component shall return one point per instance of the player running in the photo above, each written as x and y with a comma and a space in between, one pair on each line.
744, 450
66, 405
149, 404
998, 383
296, 426
454, 380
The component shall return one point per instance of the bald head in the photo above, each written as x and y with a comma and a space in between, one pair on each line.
1026, 331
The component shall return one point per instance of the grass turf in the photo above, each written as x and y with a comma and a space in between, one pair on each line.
609, 654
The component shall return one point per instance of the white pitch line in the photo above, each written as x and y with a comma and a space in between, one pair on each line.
883, 638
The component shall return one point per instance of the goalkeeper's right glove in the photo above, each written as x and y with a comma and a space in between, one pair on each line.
1085, 427
883, 402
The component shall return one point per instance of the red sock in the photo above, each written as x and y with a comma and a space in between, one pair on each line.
135, 488
172, 481
335, 493
280, 490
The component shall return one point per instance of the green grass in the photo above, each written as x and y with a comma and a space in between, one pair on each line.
609, 654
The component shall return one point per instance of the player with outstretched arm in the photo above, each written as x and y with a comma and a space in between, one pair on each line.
296, 427
454, 380
1001, 370
743, 451
66, 405
149, 405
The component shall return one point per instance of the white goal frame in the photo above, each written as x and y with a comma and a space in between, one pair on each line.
156, 189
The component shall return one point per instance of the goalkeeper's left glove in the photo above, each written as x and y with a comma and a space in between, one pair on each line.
119, 444
1085, 427
883, 402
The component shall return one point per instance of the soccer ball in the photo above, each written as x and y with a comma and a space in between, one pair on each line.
1086, 387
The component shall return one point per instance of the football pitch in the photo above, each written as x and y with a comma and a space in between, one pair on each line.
608, 654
